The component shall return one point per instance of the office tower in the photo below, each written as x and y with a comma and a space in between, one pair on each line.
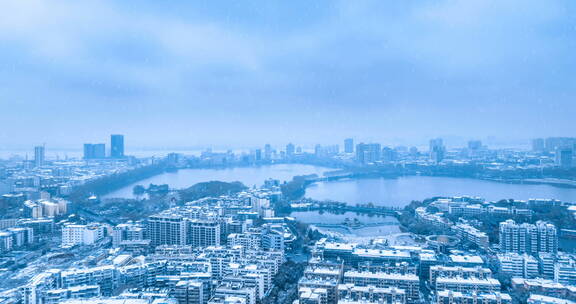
290, 150
117, 146
267, 152
99, 150
39, 156
538, 145
88, 151
167, 229
82, 234
94, 151
348, 145
564, 157
437, 150
528, 238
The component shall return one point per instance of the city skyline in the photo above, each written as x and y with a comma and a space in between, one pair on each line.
287, 152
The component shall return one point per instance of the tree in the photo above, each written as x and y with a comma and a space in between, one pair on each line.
138, 190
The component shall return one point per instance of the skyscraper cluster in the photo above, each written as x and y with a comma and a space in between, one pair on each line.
98, 151
562, 147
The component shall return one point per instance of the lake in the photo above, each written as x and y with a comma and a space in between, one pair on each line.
380, 191
399, 192
249, 176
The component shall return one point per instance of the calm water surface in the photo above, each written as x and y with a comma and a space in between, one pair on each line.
400, 191
380, 191
249, 176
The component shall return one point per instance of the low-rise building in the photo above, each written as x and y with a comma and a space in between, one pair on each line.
456, 297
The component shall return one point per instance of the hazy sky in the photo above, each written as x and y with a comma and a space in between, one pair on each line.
242, 72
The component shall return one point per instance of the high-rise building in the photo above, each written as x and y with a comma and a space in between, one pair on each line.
267, 152
538, 145
368, 153
564, 157
528, 238
389, 154
99, 150
290, 150
318, 150
39, 156
88, 151
348, 145
437, 150
258, 154
552, 143
94, 151
167, 229
202, 233
117, 146
173, 229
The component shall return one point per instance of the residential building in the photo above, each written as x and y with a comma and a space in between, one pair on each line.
518, 265
528, 238
73, 235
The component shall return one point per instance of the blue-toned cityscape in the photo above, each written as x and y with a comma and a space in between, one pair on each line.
288, 152
256, 227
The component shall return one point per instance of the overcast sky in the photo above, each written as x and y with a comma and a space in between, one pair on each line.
243, 72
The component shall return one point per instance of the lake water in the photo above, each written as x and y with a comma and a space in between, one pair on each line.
249, 176
400, 191
380, 191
